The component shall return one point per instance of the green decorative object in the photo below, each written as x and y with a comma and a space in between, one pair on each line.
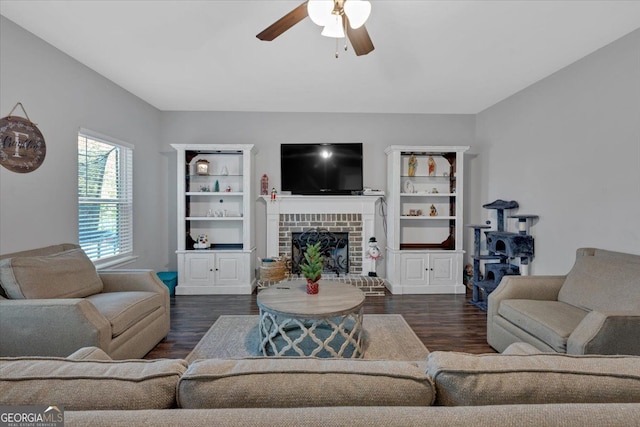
217, 187
312, 269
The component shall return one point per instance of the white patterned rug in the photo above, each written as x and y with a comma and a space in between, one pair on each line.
386, 337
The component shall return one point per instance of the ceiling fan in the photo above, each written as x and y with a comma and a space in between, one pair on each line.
338, 17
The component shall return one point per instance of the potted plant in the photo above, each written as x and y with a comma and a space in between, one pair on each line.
312, 269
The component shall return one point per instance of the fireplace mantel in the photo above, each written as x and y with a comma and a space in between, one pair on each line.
286, 204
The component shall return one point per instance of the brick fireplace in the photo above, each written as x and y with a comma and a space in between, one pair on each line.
352, 214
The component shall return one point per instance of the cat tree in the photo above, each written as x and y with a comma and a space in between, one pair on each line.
503, 248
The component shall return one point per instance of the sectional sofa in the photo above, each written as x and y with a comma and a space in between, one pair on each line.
518, 388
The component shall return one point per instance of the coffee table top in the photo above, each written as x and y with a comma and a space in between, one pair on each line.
291, 299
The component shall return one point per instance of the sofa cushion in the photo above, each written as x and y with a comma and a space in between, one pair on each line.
521, 348
492, 379
89, 353
125, 309
85, 385
601, 415
303, 382
550, 321
602, 283
68, 274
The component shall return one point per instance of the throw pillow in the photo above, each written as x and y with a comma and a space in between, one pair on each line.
68, 274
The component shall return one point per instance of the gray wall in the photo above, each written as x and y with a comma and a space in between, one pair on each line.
268, 130
61, 95
568, 149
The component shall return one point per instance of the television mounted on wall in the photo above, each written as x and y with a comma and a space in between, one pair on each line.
321, 169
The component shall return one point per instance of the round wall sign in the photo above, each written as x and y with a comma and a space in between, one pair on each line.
22, 147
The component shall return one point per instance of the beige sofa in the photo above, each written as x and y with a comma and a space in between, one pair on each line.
517, 388
595, 309
53, 302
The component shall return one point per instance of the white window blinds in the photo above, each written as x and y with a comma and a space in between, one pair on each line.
105, 198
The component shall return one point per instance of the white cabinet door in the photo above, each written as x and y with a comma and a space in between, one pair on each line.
414, 269
198, 269
441, 269
428, 269
228, 269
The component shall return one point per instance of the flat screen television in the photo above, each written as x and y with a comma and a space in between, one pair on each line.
313, 169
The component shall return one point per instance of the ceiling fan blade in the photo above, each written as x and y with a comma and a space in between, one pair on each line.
284, 23
359, 39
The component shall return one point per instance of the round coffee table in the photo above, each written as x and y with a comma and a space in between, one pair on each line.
327, 324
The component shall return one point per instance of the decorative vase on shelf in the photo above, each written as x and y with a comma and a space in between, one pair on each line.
312, 268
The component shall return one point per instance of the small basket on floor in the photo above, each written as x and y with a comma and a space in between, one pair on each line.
272, 269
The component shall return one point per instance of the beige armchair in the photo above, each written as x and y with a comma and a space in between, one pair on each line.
53, 302
595, 309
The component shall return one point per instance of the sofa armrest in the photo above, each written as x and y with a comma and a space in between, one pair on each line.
51, 327
606, 332
131, 280
521, 287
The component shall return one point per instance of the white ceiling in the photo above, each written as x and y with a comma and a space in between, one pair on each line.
429, 57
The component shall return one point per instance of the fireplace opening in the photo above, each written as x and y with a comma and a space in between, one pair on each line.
334, 246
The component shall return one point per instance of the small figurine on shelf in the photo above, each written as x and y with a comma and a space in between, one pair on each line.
273, 194
432, 166
202, 243
373, 253
224, 171
264, 185
228, 189
216, 188
413, 164
433, 211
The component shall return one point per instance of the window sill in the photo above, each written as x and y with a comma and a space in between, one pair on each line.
113, 263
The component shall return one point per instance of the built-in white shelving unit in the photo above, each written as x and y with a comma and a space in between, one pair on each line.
424, 219
219, 204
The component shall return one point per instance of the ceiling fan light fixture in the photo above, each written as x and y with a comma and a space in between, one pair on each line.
357, 11
320, 11
332, 16
334, 28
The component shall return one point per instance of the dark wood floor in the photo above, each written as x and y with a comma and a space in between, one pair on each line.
442, 322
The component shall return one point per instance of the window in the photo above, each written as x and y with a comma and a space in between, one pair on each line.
105, 199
